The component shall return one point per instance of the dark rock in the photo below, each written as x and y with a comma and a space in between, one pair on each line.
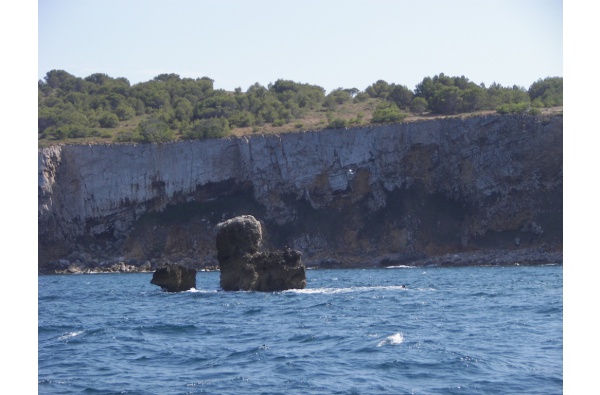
244, 268
278, 270
73, 257
174, 278
238, 236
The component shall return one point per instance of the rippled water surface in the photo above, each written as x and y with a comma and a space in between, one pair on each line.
476, 330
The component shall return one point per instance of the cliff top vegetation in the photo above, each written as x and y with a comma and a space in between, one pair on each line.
103, 109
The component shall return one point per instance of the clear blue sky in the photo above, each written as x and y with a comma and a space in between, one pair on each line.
331, 43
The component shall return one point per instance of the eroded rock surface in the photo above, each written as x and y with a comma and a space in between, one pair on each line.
363, 195
174, 278
244, 268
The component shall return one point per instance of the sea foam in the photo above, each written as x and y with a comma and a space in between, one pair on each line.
69, 335
347, 290
391, 340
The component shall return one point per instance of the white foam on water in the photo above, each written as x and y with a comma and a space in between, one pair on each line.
346, 290
400, 267
391, 340
70, 335
202, 291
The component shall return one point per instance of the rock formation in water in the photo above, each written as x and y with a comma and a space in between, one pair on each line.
174, 278
373, 195
244, 268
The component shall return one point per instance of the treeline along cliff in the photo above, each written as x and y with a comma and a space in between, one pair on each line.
367, 195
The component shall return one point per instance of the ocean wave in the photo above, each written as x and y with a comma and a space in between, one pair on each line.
346, 290
202, 291
70, 335
391, 340
305, 341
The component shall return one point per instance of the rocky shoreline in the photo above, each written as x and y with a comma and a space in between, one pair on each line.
524, 257
521, 257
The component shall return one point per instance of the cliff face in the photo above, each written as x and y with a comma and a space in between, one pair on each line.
365, 194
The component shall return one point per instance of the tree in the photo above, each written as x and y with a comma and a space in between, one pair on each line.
352, 91
153, 94
446, 100
452, 95
124, 112
60, 79
547, 92
361, 97
108, 120
474, 98
379, 89
336, 97
242, 119
167, 77
419, 105
401, 95
221, 104
425, 88
183, 109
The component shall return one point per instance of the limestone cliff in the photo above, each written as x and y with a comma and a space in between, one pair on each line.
380, 193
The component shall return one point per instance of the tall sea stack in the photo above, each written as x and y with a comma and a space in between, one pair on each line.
244, 268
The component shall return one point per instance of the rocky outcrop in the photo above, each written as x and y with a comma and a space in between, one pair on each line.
278, 270
396, 192
244, 268
174, 278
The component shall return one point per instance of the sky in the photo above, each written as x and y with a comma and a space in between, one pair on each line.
330, 43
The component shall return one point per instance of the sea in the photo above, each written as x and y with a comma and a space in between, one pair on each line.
394, 330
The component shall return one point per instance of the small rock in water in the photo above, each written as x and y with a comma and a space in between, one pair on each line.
174, 278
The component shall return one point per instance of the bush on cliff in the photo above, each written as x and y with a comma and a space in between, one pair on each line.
337, 123
154, 130
387, 112
151, 130
513, 108
208, 128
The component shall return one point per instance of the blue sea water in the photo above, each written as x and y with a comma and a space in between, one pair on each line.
472, 330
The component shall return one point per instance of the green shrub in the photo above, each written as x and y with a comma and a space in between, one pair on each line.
387, 112
337, 123
361, 97
128, 136
208, 128
124, 112
419, 105
153, 130
513, 108
67, 131
241, 119
108, 120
